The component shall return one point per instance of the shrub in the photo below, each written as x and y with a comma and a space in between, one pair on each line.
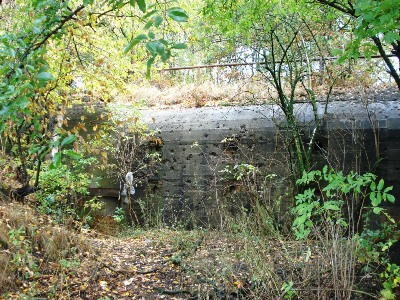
332, 212
262, 209
125, 144
337, 200
64, 193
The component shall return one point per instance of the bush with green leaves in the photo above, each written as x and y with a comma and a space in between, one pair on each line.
336, 212
391, 280
119, 215
339, 200
64, 193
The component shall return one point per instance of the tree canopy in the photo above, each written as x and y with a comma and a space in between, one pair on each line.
350, 29
52, 49
375, 27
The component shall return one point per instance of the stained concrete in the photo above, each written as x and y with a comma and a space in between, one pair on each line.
195, 146
199, 142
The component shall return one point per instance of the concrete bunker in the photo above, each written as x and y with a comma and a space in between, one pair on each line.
199, 142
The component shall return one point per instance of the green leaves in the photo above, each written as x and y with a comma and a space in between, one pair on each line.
40, 150
379, 194
177, 14
374, 26
22, 102
142, 5
56, 161
381, 184
72, 154
157, 21
29, 95
156, 47
45, 76
68, 140
150, 62
335, 195
331, 205
179, 46
133, 42
57, 157
391, 280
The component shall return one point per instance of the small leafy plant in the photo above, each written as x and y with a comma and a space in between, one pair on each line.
22, 258
391, 280
62, 194
119, 215
287, 289
256, 185
333, 211
336, 199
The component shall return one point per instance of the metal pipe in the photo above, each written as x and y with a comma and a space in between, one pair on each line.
255, 63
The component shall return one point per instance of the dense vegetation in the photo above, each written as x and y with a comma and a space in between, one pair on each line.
56, 54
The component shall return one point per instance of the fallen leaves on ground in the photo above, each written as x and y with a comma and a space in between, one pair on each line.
147, 264
150, 265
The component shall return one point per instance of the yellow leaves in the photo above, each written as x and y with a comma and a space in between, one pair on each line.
75, 145
70, 30
100, 62
238, 284
80, 126
93, 20
396, 282
156, 141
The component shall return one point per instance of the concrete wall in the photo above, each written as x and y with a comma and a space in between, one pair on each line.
200, 142
195, 147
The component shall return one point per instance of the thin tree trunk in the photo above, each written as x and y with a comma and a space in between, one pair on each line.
389, 64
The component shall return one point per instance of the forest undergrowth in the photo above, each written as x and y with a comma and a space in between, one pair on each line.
45, 260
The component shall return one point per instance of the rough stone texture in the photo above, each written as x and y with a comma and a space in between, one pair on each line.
200, 142
194, 149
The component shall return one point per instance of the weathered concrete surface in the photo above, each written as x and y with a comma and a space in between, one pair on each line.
200, 142
194, 148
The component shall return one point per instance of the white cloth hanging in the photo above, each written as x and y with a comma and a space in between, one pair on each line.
128, 187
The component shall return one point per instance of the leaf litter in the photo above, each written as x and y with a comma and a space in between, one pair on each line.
162, 264
155, 264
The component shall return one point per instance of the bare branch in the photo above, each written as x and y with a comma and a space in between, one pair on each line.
339, 6
385, 57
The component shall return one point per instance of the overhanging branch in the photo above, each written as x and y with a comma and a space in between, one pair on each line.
34, 47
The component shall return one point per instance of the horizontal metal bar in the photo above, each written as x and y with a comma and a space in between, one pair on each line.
255, 63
